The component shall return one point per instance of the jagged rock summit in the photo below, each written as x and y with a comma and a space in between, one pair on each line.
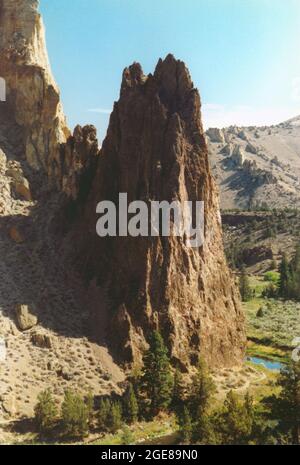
155, 149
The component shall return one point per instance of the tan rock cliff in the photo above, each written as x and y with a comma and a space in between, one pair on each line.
33, 101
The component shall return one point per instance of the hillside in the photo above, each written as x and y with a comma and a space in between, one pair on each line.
254, 166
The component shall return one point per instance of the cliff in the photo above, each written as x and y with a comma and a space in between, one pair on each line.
33, 102
155, 149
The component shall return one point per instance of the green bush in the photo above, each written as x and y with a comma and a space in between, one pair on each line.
45, 412
272, 276
75, 415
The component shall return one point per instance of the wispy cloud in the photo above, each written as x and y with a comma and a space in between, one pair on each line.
102, 111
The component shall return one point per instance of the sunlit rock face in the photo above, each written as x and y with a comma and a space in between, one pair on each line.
32, 102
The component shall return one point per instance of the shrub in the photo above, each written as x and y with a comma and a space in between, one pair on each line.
45, 412
103, 414
75, 415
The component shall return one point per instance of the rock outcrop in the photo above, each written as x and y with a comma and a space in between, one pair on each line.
155, 149
32, 100
25, 318
257, 166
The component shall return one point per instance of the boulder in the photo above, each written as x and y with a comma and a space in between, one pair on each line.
42, 340
216, 135
238, 156
20, 184
26, 319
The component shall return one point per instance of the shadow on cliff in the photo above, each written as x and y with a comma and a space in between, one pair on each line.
34, 271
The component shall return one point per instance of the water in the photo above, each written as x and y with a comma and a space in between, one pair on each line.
273, 366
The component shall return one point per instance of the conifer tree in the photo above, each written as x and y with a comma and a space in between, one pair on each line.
178, 392
103, 414
202, 391
202, 395
115, 417
157, 382
285, 278
74, 415
236, 420
90, 406
131, 408
185, 424
244, 286
45, 412
286, 407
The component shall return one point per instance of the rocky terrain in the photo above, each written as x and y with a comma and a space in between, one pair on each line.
256, 166
58, 279
258, 240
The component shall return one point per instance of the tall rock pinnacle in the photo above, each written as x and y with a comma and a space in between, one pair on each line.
155, 150
32, 96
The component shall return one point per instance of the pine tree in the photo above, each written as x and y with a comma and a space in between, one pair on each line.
103, 414
285, 278
286, 407
90, 406
157, 382
203, 430
45, 412
131, 408
236, 420
202, 392
244, 286
115, 417
202, 395
185, 424
178, 392
74, 415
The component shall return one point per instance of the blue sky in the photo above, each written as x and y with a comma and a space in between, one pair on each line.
243, 55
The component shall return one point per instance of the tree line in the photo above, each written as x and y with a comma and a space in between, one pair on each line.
157, 388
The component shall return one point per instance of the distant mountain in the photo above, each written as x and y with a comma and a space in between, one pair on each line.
254, 166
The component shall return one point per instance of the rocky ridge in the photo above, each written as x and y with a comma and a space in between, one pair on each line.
257, 166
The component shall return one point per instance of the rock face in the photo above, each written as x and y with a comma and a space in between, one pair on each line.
155, 149
32, 101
